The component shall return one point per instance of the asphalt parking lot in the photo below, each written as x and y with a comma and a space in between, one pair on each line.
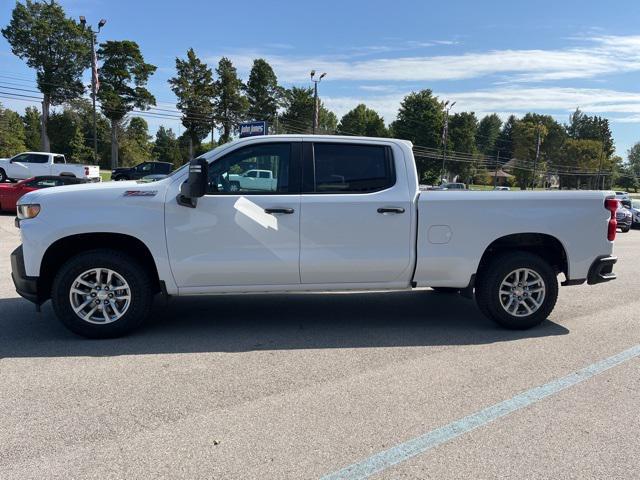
297, 387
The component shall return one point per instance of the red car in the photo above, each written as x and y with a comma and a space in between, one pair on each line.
10, 193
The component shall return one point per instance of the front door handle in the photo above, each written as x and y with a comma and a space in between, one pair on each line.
287, 211
384, 210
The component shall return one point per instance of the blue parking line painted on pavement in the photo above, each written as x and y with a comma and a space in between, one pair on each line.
404, 451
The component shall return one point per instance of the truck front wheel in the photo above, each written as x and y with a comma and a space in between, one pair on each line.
517, 290
102, 294
3, 176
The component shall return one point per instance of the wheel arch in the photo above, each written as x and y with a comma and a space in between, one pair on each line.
64, 248
544, 245
67, 174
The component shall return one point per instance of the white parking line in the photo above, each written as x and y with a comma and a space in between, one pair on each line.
404, 451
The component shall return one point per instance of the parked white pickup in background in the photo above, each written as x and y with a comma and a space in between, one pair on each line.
34, 164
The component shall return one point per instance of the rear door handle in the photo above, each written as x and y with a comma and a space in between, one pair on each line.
390, 210
287, 211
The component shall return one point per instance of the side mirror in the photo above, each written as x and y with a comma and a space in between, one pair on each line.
196, 185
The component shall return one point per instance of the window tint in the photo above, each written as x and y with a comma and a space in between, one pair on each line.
35, 158
343, 168
264, 175
58, 159
24, 158
237, 172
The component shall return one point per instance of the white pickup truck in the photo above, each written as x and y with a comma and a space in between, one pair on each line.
36, 164
345, 215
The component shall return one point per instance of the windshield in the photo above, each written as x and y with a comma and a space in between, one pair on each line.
635, 203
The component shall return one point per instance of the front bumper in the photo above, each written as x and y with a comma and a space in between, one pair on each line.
602, 270
26, 287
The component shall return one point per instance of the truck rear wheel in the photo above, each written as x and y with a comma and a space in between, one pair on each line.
102, 294
517, 290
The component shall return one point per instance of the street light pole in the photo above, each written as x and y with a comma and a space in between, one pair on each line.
445, 133
316, 101
94, 80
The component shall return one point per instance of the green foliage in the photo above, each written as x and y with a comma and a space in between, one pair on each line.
462, 138
166, 147
123, 76
55, 46
580, 155
135, 146
504, 142
633, 158
363, 121
195, 89
31, 120
524, 137
78, 150
230, 105
298, 114
77, 115
420, 119
584, 127
627, 179
12, 136
263, 93
487, 134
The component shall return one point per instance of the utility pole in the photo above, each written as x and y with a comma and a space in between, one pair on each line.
495, 176
600, 166
535, 162
95, 82
445, 133
316, 101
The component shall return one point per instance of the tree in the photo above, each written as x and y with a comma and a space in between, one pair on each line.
462, 138
55, 46
298, 114
135, 146
263, 93
363, 121
230, 105
195, 89
585, 127
32, 121
123, 77
525, 136
487, 134
166, 147
580, 155
628, 179
78, 150
633, 159
420, 119
504, 142
11, 133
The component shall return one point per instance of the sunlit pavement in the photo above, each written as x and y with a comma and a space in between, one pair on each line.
275, 387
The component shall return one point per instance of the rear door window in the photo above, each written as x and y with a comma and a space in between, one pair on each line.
352, 168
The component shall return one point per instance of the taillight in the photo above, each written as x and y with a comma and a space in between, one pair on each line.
86, 171
612, 205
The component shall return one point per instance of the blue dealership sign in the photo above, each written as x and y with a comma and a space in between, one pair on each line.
252, 129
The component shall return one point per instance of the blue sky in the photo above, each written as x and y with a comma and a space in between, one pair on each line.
499, 56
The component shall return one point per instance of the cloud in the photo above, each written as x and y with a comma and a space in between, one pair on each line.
597, 56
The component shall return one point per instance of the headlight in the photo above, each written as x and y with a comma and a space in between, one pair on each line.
29, 210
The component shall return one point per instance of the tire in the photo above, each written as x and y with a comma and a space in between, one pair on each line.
501, 269
625, 229
126, 268
447, 290
234, 186
3, 176
121, 178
